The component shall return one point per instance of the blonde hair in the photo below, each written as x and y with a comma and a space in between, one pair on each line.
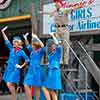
36, 44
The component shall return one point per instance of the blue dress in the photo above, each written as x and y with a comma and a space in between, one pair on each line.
34, 74
53, 80
12, 74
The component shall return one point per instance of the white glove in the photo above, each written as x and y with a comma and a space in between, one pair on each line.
4, 28
52, 33
47, 63
25, 36
18, 66
54, 38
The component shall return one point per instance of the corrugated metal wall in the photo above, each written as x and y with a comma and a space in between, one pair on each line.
19, 7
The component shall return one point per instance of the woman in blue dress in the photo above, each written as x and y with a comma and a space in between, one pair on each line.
12, 73
53, 80
34, 74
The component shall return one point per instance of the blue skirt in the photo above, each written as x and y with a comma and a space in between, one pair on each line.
15, 76
8, 72
53, 79
34, 77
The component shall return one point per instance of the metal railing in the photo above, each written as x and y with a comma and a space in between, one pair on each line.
86, 72
71, 86
94, 69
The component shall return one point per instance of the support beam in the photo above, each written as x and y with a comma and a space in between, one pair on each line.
89, 63
82, 33
99, 92
93, 47
16, 18
33, 19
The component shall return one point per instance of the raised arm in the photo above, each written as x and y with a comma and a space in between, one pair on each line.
3, 33
36, 37
7, 42
28, 46
54, 38
25, 37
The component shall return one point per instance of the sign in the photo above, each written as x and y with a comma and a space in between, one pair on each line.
4, 4
83, 19
72, 5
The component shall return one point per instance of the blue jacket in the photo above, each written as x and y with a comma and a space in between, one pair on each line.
54, 58
35, 56
14, 58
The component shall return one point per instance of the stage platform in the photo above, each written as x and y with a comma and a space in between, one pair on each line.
19, 97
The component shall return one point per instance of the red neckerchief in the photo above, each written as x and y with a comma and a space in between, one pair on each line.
53, 49
36, 50
16, 49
